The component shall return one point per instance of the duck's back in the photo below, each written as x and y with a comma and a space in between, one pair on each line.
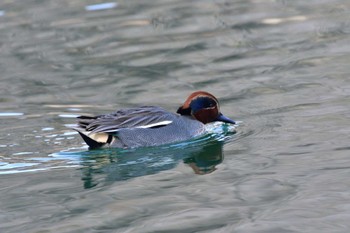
138, 127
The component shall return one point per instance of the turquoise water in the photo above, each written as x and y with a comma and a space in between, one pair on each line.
280, 68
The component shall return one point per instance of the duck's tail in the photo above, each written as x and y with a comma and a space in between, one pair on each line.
93, 140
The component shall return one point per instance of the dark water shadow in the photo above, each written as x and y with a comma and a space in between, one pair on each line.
110, 165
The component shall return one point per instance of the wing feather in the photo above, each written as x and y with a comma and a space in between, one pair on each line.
141, 117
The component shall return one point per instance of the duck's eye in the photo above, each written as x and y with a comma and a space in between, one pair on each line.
202, 103
210, 103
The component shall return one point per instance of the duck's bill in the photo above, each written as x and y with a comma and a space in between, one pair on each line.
222, 118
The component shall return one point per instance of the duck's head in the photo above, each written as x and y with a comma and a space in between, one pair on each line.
204, 107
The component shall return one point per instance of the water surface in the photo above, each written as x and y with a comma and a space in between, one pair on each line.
279, 67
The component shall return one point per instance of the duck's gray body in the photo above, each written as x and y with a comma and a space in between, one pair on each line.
138, 127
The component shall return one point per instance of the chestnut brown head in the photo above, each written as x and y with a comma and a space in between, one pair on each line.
204, 107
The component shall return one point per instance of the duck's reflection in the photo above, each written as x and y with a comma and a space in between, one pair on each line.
205, 161
112, 165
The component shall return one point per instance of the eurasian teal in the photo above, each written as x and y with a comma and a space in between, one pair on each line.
151, 125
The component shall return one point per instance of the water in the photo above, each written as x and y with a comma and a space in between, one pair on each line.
279, 67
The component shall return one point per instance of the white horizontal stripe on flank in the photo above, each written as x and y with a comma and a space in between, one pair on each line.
154, 124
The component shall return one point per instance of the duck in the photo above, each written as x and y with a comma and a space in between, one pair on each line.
147, 126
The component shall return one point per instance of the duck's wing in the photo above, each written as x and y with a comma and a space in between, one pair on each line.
140, 117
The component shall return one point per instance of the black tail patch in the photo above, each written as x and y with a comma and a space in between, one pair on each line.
91, 143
